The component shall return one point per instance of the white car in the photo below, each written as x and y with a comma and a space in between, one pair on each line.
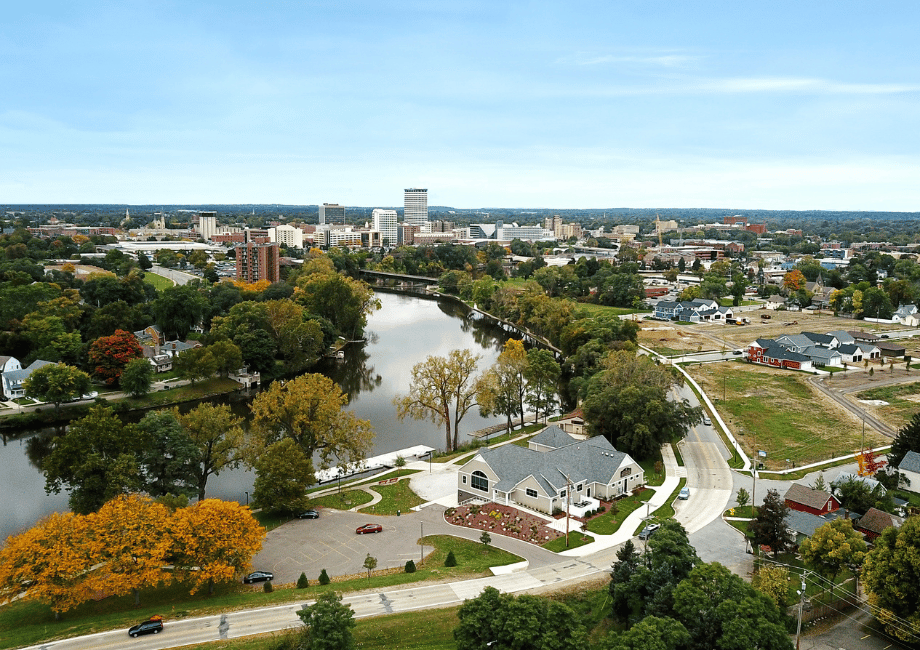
707, 421
684, 493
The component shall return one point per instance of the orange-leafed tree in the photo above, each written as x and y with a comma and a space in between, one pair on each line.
213, 541
794, 280
131, 541
50, 563
110, 354
868, 463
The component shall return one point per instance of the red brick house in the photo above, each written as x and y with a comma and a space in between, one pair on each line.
806, 499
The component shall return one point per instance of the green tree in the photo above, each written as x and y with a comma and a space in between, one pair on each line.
542, 376
137, 377
178, 309
769, 527
169, 458
907, 439
651, 633
343, 301
834, 547
283, 474
891, 575
328, 624
855, 494
441, 390
218, 434
742, 498
95, 460
195, 364
56, 383
228, 356
485, 538
370, 563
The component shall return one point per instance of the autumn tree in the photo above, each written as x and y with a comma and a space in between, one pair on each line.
218, 435
50, 563
110, 354
769, 528
95, 460
793, 281
891, 575
283, 474
213, 541
833, 547
56, 383
441, 390
310, 410
137, 377
130, 539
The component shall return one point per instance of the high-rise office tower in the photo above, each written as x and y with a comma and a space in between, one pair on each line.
416, 205
207, 224
332, 213
385, 224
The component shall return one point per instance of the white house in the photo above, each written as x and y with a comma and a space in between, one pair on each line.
555, 471
910, 472
8, 365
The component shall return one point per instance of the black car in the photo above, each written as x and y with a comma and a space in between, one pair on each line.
308, 514
258, 576
153, 626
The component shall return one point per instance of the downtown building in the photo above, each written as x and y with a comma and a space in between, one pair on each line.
415, 206
258, 261
385, 224
332, 213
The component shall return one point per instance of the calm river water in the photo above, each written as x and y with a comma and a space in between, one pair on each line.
403, 332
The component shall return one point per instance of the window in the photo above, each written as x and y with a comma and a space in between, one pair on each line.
479, 481
626, 472
562, 494
531, 493
580, 486
464, 479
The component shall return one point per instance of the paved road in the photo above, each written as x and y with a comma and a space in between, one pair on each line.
179, 277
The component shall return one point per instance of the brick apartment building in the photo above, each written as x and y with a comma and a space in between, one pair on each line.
258, 261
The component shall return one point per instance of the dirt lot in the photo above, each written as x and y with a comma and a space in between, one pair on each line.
781, 413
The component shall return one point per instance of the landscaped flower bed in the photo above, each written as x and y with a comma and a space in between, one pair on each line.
498, 519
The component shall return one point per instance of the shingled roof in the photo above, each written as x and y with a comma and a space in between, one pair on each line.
877, 520
807, 496
910, 462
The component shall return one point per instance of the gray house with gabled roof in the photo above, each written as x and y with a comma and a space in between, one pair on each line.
909, 470
546, 480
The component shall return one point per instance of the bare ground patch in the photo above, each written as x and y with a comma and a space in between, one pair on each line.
780, 413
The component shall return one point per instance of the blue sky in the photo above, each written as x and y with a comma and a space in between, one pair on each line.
782, 105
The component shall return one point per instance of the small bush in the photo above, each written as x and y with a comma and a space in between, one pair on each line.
602, 509
267, 587
410, 567
451, 560
323, 577
302, 582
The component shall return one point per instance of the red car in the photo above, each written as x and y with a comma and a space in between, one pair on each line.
369, 528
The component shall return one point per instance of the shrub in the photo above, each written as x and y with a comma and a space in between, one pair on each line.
267, 587
323, 577
410, 567
451, 560
602, 509
557, 511
302, 582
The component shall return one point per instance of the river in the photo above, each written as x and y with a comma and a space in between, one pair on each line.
405, 331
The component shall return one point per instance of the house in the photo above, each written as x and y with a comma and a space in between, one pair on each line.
869, 350
150, 336
821, 356
874, 522
874, 486
905, 313
8, 365
13, 380
803, 524
574, 423
843, 337
909, 470
175, 348
892, 350
771, 353
775, 302
549, 480
850, 353
161, 362
805, 499
692, 311
864, 337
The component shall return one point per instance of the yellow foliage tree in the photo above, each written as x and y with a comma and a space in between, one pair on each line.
256, 287
50, 563
213, 541
130, 536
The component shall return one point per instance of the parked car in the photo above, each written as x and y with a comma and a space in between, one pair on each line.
738, 353
258, 576
707, 421
152, 626
369, 528
308, 514
648, 531
684, 493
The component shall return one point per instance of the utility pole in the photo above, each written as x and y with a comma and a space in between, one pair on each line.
422, 558
798, 629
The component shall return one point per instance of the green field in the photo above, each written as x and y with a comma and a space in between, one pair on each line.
158, 281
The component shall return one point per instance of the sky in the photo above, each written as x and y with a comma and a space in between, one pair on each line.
781, 105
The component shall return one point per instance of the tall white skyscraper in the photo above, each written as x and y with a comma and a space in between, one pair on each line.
385, 224
416, 205
207, 224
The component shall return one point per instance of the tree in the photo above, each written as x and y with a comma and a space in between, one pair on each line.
485, 538
53, 558
891, 575
213, 541
56, 383
651, 633
542, 375
628, 403
195, 364
820, 484
501, 389
329, 624
854, 494
627, 562
169, 458
137, 377
310, 411
441, 391
95, 460
773, 582
742, 498
131, 542
178, 309
303, 582
228, 356
833, 547
342, 300
769, 528
283, 474
793, 281
370, 563
218, 434
110, 354
907, 439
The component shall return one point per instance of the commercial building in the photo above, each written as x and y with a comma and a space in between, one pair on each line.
207, 224
256, 262
416, 206
332, 213
385, 224
288, 235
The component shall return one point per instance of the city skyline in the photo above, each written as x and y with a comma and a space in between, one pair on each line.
525, 105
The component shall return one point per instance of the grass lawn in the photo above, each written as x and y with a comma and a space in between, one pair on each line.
590, 309
347, 500
576, 539
158, 281
609, 522
779, 412
493, 440
396, 496
652, 476
178, 394
28, 623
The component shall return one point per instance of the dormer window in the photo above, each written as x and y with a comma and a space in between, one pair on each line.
626, 472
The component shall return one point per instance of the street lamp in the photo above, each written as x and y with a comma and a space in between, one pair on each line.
247, 498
